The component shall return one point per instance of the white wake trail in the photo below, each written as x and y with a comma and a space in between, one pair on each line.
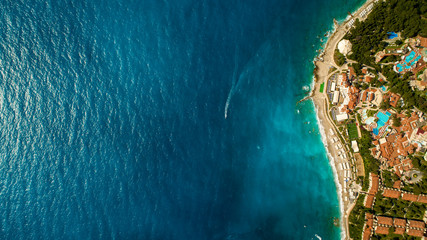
233, 84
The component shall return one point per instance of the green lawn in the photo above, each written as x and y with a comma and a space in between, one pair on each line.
352, 131
322, 86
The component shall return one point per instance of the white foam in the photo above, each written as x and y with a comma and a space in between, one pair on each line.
321, 129
318, 237
334, 170
306, 88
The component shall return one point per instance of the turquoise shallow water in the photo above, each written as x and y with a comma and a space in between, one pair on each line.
113, 120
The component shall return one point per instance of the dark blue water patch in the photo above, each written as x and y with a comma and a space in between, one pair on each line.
113, 120
392, 35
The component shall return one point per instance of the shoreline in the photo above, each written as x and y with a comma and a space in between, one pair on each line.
322, 62
334, 169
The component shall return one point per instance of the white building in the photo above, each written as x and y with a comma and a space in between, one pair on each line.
342, 117
344, 46
354, 146
333, 86
336, 97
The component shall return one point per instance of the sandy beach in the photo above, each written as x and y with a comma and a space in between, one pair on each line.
322, 73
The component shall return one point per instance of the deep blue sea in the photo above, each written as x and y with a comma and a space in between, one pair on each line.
163, 119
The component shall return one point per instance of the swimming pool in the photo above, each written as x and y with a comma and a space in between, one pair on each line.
409, 57
382, 119
392, 35
376, 131
408, 62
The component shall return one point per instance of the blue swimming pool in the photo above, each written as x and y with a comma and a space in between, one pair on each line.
383, 116
409, 57
382, 119
392, 35
376, 131
408, 62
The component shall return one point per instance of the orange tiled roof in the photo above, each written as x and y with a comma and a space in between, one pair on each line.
367, 234
375, 182
368, 226
364, 96
422, 199
397, 184
409, 197
370, 219
352, 73
399, 231
399, 222
391, 193
364, 70
416, 224
394, 98
385, 220
371, 97
423, 41
420, 65
369, 201
382, 230
415, 232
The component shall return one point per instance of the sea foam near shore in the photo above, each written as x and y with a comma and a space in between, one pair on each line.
334, 170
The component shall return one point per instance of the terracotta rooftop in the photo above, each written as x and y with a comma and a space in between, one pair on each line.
397, 184
399, 231
369, 201
423, 41
375, 181
368, 226
399, 222
364, 70
420, 65
409, 197
352, 73
367, 233
370, 219
382, 230
394, 98
407, 123
371, 97
422, 199
364, 96
416, 224
391, 193
415, 232
381, 220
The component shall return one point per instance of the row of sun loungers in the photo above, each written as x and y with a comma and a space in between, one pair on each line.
345, 166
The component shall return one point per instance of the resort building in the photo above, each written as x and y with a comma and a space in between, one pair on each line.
391, 193
409, 197
411, 62
342, 117
419, 136
354, 146
368, 227
336, 97
374, 183
421, 42
382, 225
393, 99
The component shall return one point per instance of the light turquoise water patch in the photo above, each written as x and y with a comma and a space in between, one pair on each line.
369, 120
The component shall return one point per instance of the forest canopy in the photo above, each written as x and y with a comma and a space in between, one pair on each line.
408, 17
